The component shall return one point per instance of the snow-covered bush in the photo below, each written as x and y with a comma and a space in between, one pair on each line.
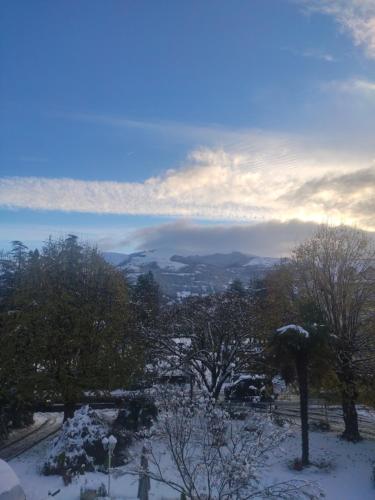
213, 456
79, 447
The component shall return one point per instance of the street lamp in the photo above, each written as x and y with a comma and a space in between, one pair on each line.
109, 445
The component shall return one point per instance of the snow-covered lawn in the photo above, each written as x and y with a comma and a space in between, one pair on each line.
37, 486
349, 466
345, 475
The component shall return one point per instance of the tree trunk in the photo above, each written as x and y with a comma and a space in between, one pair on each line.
349, 397
69, 408
216, 393
191, 382
304, 411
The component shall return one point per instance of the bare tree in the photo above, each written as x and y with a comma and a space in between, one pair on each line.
336, 271
215, 457
218, 338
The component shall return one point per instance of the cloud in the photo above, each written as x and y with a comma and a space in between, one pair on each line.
359, 86
351, 192
272, 239
356, 17
34, 235
269, 239
163, 128
260, 177
315, 54
341, 185
311, 54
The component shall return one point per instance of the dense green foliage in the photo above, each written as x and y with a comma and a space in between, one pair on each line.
65, 324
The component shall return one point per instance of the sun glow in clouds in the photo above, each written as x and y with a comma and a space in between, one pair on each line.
268, 179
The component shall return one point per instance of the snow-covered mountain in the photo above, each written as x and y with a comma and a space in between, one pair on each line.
181, 274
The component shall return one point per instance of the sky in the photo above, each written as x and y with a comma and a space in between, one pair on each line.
199, 125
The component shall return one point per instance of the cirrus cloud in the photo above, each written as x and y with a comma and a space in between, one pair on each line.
267, 177
355, 86
356, 17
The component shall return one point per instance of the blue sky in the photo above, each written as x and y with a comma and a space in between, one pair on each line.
123, 115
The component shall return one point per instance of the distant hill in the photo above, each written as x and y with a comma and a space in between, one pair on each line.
182, 275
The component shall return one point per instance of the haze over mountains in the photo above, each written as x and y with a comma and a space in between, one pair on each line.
180, 275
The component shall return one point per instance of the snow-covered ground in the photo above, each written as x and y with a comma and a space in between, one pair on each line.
346, 467
39, 419
37, 487
345, 472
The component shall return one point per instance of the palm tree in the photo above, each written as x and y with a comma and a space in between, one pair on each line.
293, 349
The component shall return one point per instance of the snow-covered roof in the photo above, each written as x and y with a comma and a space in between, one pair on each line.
252, 376
186, 341
10, 488
248, 376
296, 328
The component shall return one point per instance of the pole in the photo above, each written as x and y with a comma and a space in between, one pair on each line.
109, 444
109, 472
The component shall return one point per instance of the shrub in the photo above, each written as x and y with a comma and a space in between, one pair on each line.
79, 446
137, 412
278, 420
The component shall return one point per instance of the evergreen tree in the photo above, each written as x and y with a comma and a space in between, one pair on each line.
146, 298
64, 324
236, 288
17, 353
85, 342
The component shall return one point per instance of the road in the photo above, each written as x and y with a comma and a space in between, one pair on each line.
26, 440
318, 412
331, 414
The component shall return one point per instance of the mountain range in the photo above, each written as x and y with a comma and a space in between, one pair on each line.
181, 275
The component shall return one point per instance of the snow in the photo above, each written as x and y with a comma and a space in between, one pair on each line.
77, 433
184, 341
296, 328
112, 441
346, 468
262, 261
39, 419
344, 472
279, 385
8, 478
170, 259
253, 376
115, 258
123, 486
160, 257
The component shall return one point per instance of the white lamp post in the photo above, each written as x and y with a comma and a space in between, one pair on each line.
109, 445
